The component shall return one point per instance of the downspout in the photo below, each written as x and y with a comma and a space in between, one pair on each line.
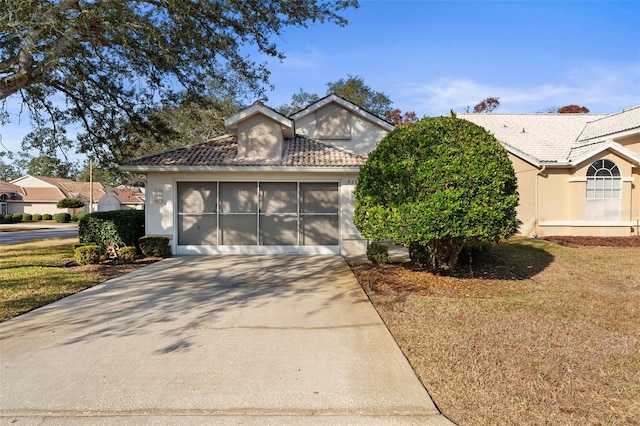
540, 172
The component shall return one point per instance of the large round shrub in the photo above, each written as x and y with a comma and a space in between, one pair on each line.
435, 185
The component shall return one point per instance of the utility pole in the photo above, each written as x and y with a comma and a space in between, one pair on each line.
90, 185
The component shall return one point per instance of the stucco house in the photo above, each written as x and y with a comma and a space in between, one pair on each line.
40, 194
279, 184
275, 184
578, 174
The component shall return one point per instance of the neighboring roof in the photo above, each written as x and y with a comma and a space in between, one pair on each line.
223, 152
42, 194
544, 137
6, 187
561, 139
622, 121
345, 104
130, 195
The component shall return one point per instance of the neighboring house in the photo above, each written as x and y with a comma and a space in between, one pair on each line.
276, 184
578, 174
40, 194
8, 192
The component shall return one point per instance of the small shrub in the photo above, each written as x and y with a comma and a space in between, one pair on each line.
76, 217
37, 217
70, 203
154, 245
17, 217
47, 216
127, 254
122, 227
378, 252
26, 217
62, 217
87, 255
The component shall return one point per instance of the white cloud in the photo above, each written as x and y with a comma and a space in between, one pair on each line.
599, 87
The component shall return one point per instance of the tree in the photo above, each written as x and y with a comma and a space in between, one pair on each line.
298, 102
573, 109
46, 165
396, 117
354, 90
109, 59
13, 165
487, 105
434, 186
70, 203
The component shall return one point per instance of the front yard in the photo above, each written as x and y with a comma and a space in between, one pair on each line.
545, 334
548, 334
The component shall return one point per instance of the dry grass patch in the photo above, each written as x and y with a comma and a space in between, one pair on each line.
37, 273
558, 342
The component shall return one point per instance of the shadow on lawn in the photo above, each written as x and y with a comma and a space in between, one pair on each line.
517, 259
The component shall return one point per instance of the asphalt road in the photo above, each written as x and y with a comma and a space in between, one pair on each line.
38, 234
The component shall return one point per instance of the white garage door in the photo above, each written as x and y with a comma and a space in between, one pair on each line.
258, 217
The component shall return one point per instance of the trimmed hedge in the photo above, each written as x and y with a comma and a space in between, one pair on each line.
76, 217
118, 226
378, 252
17, 217
26, 217
87, 255
62, 217
47, 216
37, 217
155, 245
127, 254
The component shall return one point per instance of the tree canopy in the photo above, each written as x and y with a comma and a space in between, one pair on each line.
102, 63
573, 109
355, 90
435, 185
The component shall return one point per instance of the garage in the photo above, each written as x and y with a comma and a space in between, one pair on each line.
257, 217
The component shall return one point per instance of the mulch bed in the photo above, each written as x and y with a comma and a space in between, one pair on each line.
622, 242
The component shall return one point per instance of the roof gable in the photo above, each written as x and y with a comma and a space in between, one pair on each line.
333, 98
286, 124
623, 121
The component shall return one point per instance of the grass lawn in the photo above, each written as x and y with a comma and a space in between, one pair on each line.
37, 273
548, 334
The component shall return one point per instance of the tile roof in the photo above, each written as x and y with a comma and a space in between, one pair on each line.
130, 195
223, 151
545, 137
6, 187
624, 120
42, 194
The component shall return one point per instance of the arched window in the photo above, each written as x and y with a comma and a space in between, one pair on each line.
604, 191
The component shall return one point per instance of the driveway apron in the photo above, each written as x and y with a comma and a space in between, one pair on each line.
212, 339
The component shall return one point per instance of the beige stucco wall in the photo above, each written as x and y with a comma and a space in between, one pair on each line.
160, 217
526, 174
33, 208
630, 142
563, 205
364, 137
259, 137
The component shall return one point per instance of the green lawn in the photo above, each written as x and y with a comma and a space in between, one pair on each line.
33, 274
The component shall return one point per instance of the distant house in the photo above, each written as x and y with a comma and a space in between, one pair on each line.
578, 174
40, 194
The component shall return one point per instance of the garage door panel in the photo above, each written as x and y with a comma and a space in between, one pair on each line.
238, 197
319, 230
197, 230
319, 197
278, 197
197, 197
241, 229
278, 230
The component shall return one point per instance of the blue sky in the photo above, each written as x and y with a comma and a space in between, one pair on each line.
434, 56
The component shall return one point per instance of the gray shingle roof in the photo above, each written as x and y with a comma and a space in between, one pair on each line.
223, 151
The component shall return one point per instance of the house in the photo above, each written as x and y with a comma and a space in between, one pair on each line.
578, 174
275, 184
40, 194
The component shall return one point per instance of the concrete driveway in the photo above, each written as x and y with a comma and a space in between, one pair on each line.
212, 339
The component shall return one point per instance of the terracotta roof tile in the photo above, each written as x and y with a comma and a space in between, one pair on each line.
223, 151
